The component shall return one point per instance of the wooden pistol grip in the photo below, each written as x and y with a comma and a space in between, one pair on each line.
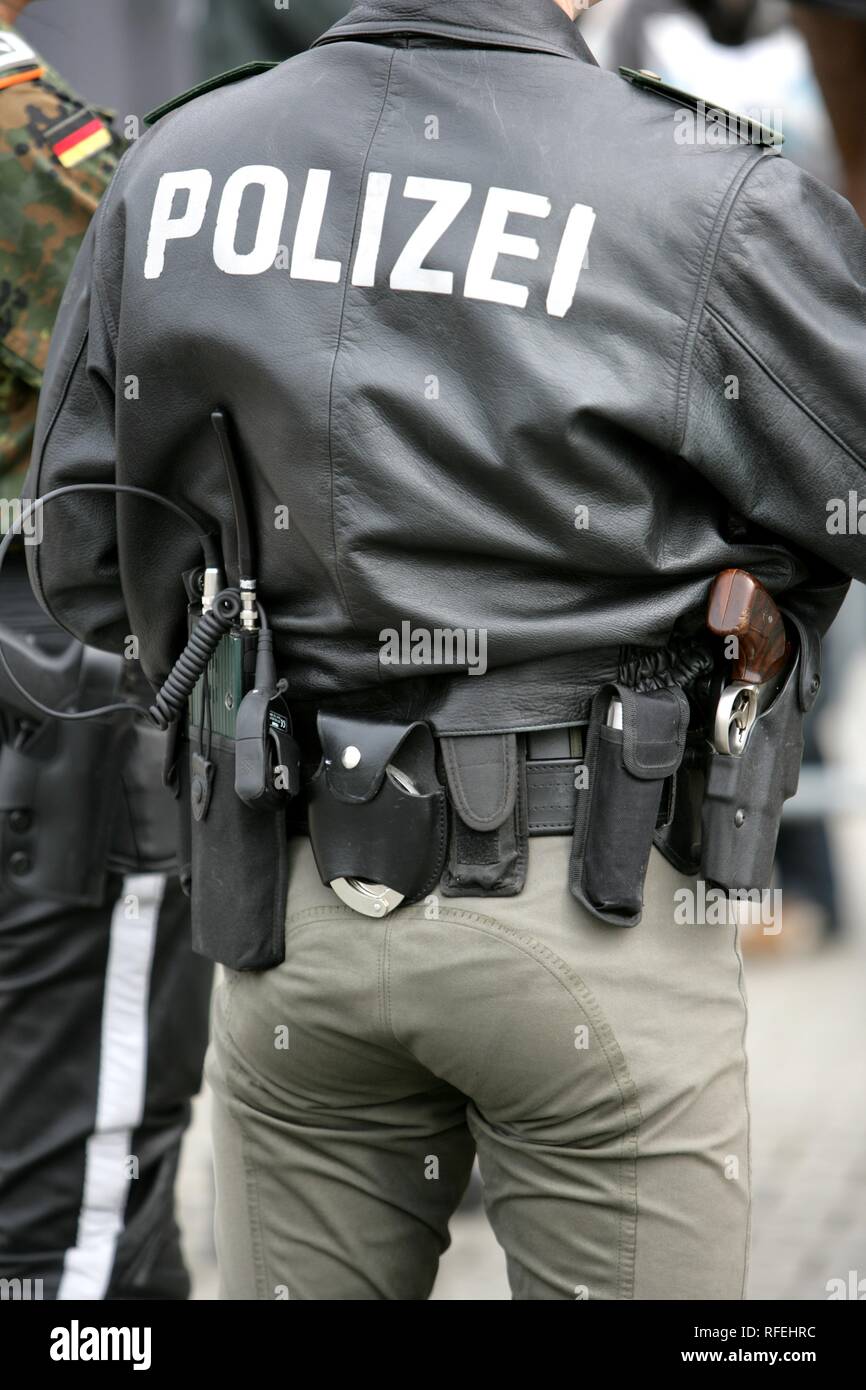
740, 607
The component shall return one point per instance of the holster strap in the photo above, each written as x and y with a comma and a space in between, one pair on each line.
551, 795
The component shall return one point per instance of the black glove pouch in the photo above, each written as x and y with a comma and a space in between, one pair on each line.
619, 811
363, 823
745, 795
239, 864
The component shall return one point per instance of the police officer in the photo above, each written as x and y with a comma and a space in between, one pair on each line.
518, 360
103, 1006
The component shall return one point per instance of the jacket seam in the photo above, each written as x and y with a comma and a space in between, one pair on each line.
98, 287
787, 390
708, 267
346, 283
35, 569
105, 311
96, 275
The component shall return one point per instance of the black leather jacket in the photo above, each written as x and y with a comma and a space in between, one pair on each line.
517, 356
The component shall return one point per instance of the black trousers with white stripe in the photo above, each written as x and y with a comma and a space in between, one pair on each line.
103, 1028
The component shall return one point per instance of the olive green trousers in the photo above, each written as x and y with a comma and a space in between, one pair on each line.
598, 1073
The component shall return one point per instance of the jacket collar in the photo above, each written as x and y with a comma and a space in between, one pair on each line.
537, 26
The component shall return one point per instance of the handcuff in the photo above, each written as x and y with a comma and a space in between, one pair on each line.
373, 899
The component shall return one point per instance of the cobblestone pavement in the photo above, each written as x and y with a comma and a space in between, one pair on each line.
807, 1055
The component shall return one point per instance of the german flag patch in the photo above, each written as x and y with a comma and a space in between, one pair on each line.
78, 137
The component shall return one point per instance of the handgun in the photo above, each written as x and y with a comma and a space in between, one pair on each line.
741, 608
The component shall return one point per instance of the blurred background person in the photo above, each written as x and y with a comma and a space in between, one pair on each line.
103, 1007
835, 31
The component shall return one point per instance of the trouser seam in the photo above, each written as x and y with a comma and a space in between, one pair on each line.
254, 1212
251, 1183
577, 989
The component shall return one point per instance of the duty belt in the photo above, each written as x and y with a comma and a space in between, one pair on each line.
395, 813
554, 760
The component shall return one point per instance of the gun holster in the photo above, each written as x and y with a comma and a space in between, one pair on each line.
60, 788
745, 795
144, 840
377, 810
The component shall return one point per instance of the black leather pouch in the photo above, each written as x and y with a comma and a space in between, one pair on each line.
619, 811
61, 796
745, 795
377, 808
144, 838
239, 865
489, 837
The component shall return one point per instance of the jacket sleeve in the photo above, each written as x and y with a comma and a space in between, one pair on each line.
74, 567
774, 407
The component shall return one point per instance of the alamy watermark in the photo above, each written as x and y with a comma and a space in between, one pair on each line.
464, 648
21, 1290
846, 516
77, 1343
22, 518
716, 907
712, 125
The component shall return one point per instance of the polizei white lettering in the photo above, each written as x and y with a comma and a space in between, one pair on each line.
182, 200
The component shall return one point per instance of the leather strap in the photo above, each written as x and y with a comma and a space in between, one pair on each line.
551, 796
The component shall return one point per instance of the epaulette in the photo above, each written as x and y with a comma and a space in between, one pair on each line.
225, 79
713, 114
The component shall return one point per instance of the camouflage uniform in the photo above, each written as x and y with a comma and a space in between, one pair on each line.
83, 990
45, 209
